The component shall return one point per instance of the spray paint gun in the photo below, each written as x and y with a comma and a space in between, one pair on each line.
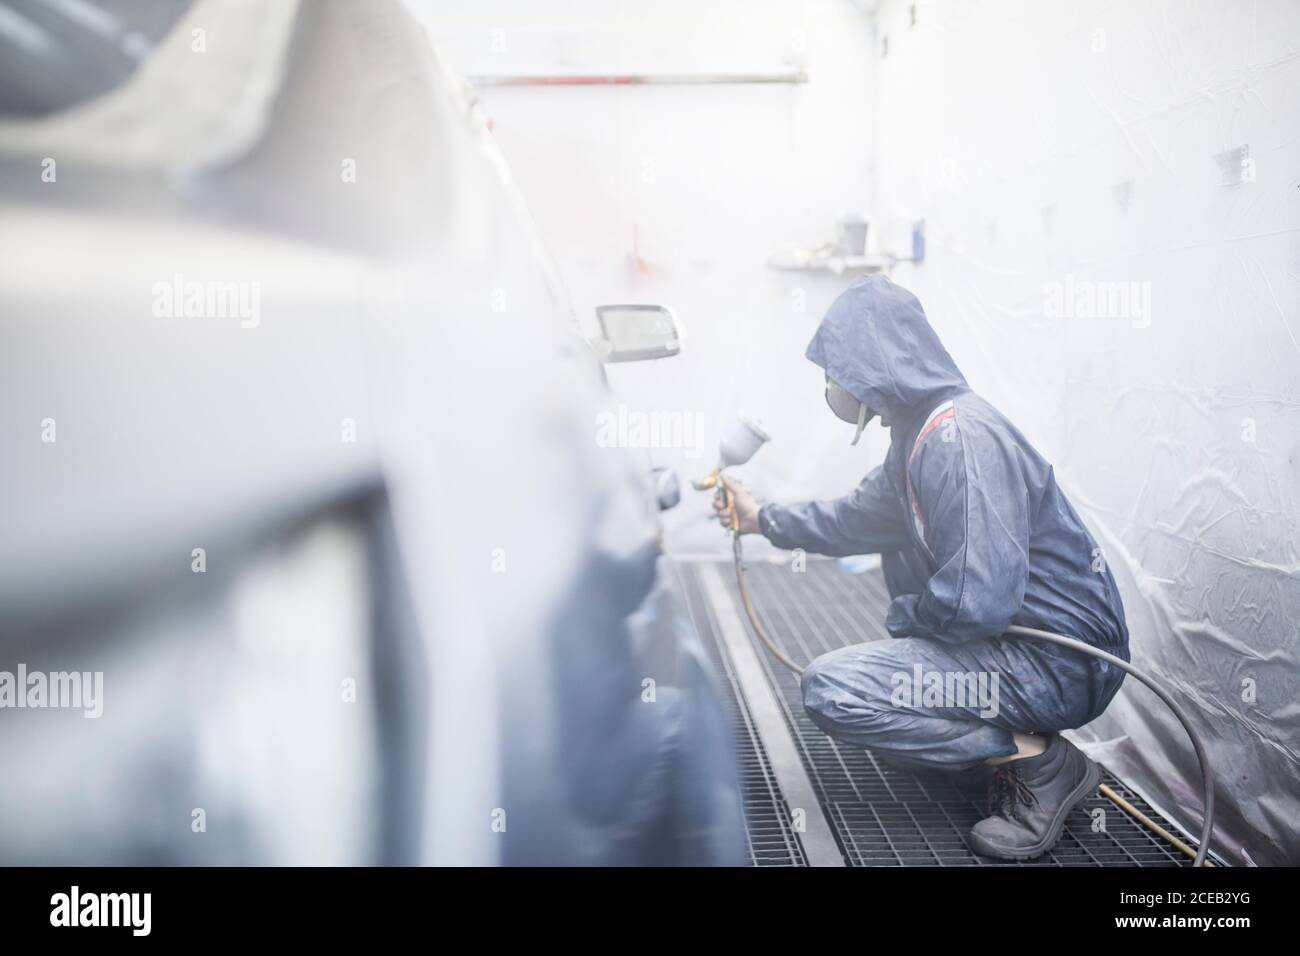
740, 440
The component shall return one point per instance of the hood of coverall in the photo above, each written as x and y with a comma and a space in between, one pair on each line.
876, 342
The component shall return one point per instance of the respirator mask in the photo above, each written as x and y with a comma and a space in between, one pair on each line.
847, 408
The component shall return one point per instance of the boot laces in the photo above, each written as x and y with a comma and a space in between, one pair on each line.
1008, 792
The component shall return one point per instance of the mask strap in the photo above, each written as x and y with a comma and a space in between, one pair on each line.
862, 422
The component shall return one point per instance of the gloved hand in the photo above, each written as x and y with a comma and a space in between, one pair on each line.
746, 506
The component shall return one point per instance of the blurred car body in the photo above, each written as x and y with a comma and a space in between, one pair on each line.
298, 442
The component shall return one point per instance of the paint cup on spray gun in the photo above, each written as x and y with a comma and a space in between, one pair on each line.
740, 440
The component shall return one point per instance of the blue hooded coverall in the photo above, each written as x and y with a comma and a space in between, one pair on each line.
974, 535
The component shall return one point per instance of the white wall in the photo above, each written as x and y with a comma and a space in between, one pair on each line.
679, 194
1050, 139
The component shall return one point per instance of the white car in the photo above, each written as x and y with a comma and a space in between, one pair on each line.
300, 476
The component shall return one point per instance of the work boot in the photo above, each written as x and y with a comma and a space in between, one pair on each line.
1029, 800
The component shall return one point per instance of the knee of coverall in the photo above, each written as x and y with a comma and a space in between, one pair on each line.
841, 694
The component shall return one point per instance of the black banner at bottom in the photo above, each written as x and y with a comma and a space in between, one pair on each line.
339, 905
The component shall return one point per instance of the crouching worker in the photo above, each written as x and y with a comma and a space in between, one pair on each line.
974, 535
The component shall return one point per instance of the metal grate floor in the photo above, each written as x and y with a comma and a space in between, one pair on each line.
770, 835
884, 816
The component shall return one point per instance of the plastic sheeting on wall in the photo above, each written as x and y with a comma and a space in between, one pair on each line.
1111, 199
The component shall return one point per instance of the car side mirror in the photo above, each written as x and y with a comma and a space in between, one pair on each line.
636, 333
668, 490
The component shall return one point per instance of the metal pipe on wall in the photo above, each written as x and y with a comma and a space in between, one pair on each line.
792, 76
